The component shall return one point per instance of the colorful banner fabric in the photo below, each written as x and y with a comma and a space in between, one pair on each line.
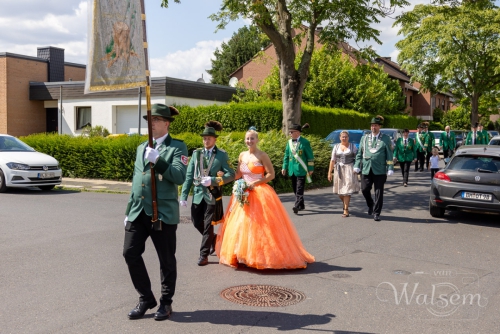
116, 46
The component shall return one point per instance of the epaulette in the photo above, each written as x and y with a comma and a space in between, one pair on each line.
178, 139
221, 150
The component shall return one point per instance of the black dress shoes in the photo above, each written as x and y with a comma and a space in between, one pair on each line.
370, 210
141, 308
203, 261
301, 208
164, 311
376, 217
295, 210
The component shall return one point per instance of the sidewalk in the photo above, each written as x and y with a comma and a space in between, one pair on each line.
96, 185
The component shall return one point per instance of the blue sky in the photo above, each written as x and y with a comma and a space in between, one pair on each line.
181, 39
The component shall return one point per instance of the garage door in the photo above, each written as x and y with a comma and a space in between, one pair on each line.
127, 120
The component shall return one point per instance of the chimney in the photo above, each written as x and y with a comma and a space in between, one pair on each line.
55, 56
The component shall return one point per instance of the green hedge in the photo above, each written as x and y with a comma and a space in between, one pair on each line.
113, 158
268, 116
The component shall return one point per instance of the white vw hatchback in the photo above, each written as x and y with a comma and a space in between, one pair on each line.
22, 166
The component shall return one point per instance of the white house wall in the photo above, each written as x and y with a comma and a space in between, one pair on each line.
116, 115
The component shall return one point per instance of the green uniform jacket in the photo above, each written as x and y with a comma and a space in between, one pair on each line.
221, 163
379, 161
424, 140
447, 143
431, 140
405, 154
486, 136
170, 171
480, 139
304, 151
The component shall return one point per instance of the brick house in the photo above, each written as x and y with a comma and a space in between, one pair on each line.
46, 94
253, 73
19, 115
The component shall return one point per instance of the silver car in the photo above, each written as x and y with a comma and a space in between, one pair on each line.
469, 182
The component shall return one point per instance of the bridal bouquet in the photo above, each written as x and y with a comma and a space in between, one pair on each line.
240, 191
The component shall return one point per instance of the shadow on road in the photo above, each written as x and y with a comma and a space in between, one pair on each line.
312, 268
266, 319
37, 192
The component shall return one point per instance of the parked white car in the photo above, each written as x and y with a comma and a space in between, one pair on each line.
22, 166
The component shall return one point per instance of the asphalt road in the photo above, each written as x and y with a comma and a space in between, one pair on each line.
62, 270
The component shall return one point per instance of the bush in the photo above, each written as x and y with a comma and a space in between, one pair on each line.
268, 116
113, 158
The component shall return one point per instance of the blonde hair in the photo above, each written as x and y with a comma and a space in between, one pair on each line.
344, 131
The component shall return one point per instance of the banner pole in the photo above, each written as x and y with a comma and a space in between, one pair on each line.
148, 102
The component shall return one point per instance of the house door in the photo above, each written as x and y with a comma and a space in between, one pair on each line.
52, 119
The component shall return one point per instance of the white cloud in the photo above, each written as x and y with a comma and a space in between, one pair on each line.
189, 64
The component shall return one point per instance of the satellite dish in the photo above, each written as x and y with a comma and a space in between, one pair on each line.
233, 82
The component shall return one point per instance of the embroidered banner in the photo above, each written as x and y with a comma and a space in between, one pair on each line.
116, 48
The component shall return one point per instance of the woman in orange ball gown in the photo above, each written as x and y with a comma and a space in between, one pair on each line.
259, 233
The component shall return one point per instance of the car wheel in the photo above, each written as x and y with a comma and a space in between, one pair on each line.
436, 211
46, 188
3, 186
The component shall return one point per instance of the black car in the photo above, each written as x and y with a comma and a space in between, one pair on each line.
459, 137
469, 182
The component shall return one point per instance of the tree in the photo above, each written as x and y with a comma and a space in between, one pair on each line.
334, 81
279, 19
242, 46
453, 47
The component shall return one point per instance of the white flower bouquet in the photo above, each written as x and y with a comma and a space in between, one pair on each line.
240, 191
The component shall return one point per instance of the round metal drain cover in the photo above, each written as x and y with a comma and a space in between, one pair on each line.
401, 272
341, 275
262, 295
185, 220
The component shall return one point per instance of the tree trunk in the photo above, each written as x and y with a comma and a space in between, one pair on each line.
474, 114
291, 97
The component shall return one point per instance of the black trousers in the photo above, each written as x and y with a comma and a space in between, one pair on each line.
298, 183
201, 215
427, 160
378, 181
405, 169
136, 234
434, 171
447, 154
420, 160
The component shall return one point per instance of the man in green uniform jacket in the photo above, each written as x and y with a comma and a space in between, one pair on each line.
485, 133
169, 160
405, 151
423, 147
298, 162
431, 142
375, 156
207, 198
475, 137
448, 143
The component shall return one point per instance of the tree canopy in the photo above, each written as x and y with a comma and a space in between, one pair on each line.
453, 47
334, 81
280, 20
242, 46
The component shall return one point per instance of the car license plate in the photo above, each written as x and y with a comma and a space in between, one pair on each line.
477, 196
46, 175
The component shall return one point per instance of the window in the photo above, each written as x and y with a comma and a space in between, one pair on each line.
83, 117
411, 101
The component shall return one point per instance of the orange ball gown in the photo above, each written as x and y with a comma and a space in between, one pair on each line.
260, 234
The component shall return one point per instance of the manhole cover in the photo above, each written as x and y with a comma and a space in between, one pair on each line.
401, 272
262, 295
185, 220
341, 275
